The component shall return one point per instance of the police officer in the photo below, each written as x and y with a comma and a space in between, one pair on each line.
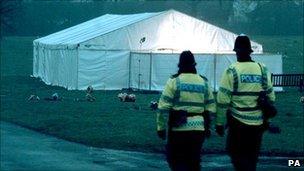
237, 97
188, 100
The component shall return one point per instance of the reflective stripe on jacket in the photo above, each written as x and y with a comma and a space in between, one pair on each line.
189, 92
239, 90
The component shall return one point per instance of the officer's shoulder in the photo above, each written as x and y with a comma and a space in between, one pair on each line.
230, 68
174, 76
203, 77
262, 64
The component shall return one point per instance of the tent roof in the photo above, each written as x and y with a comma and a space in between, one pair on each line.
180, 32
95, 27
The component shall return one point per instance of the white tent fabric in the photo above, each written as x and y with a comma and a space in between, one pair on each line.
116, 51
155, 68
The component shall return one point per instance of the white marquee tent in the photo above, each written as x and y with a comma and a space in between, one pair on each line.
136, 51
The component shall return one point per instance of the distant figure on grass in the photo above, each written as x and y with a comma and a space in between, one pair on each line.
153, 105
245, 96
33, 97
188, 100
54, 97
89, 95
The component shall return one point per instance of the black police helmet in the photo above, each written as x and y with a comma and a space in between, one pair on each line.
242, 44
186, 59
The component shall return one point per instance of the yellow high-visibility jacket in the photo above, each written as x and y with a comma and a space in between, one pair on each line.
189, 92
239, 90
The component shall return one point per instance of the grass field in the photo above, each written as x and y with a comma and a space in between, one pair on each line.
110, 123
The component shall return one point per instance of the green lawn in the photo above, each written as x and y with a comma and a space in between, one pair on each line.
110, 123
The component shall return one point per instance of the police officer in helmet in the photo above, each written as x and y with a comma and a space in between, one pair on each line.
237, 102
188, 100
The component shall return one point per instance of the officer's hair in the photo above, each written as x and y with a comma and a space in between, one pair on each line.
186, 63
190, 69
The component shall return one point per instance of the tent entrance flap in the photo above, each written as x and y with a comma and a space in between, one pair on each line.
140, 71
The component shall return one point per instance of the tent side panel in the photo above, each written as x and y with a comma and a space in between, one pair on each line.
56, 66
67, 68
38, 62
165, 65
103, 69
35, 60
91, 69
205, 66
222, 63
117, 74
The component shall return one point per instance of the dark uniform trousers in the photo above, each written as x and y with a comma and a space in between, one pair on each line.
243, 144
183, 150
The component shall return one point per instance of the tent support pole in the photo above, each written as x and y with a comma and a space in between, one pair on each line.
150, 79
214, 63
77, 49
129, 70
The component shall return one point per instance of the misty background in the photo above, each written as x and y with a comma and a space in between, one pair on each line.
107, 123
40, 18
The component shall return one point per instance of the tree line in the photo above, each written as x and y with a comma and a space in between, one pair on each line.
39, 18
